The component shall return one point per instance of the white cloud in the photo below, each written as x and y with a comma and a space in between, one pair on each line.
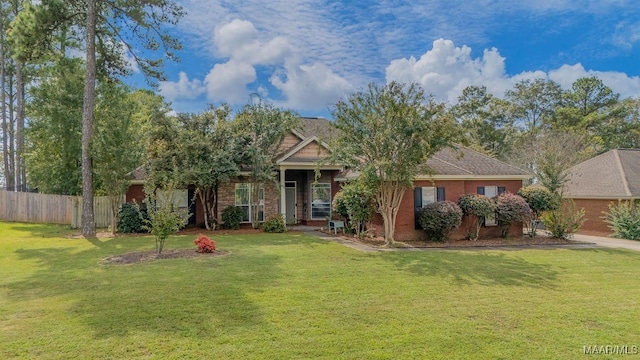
238, 40
228, 82
310, 86
446, 70
627, 86
181, 89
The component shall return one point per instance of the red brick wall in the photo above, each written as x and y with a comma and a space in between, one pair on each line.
594, 209
405, 222
135, 192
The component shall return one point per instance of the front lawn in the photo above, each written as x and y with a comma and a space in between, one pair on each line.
293, 296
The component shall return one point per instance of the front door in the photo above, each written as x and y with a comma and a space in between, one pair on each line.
290, 200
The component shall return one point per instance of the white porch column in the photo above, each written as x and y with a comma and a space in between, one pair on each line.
283, 200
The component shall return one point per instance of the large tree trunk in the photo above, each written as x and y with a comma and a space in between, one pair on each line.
20, 97
9, 151
3, 105
88, 222
388, 198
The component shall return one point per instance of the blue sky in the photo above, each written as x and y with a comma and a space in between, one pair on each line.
305, 55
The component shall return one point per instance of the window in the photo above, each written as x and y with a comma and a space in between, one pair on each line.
320, 201
423, 196
429, 195
243, 201
490, 192
179, 199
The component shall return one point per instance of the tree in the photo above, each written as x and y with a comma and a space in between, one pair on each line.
485, 122
116, 147
540, 199
208, 156
109, 28
53, 153
533, 103
164, 219
387, 134
262, 128
550, 155
357, 200
588, 104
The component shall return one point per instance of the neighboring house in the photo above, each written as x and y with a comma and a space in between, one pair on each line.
595, 183
304, 200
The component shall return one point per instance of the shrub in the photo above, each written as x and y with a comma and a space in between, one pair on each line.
510, 209
440, 219
540, 199
164, 219
339, 206
356, 199
232, 217
476, 206
131, 218
274, 224
564, 221
624, 219
204, 244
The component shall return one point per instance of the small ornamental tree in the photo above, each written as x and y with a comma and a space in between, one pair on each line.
510, 209
356, 199
476, 206
565, 220
624, 219
164, 219
439, 219
540, 199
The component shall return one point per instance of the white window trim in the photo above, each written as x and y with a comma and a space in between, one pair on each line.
491, 219
311, 200
434, 193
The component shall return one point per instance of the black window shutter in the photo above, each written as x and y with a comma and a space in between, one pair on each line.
481, 190
417, 206
501, 189
440, 195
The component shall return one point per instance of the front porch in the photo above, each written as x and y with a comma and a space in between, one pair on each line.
305, 200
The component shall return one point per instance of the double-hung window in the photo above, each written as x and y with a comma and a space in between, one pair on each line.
423, 196
320, 201
243, 201
490, 192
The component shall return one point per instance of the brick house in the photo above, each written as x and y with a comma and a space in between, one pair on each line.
602, 180
303, 200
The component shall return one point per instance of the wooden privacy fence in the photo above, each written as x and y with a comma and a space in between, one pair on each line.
53, 209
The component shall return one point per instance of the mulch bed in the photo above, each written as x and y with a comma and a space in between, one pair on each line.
152, 255
490, 242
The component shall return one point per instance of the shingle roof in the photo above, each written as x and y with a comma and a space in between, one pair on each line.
319, 127
138, 174
463, 162
613, 174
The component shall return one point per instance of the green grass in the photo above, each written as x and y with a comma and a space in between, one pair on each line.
281, 296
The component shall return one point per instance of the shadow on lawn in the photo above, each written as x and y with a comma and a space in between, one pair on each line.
481, 267
179, 297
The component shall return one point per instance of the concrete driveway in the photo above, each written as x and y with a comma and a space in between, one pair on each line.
609, 242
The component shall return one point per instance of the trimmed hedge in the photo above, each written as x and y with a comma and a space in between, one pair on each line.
439, 219
510, 209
